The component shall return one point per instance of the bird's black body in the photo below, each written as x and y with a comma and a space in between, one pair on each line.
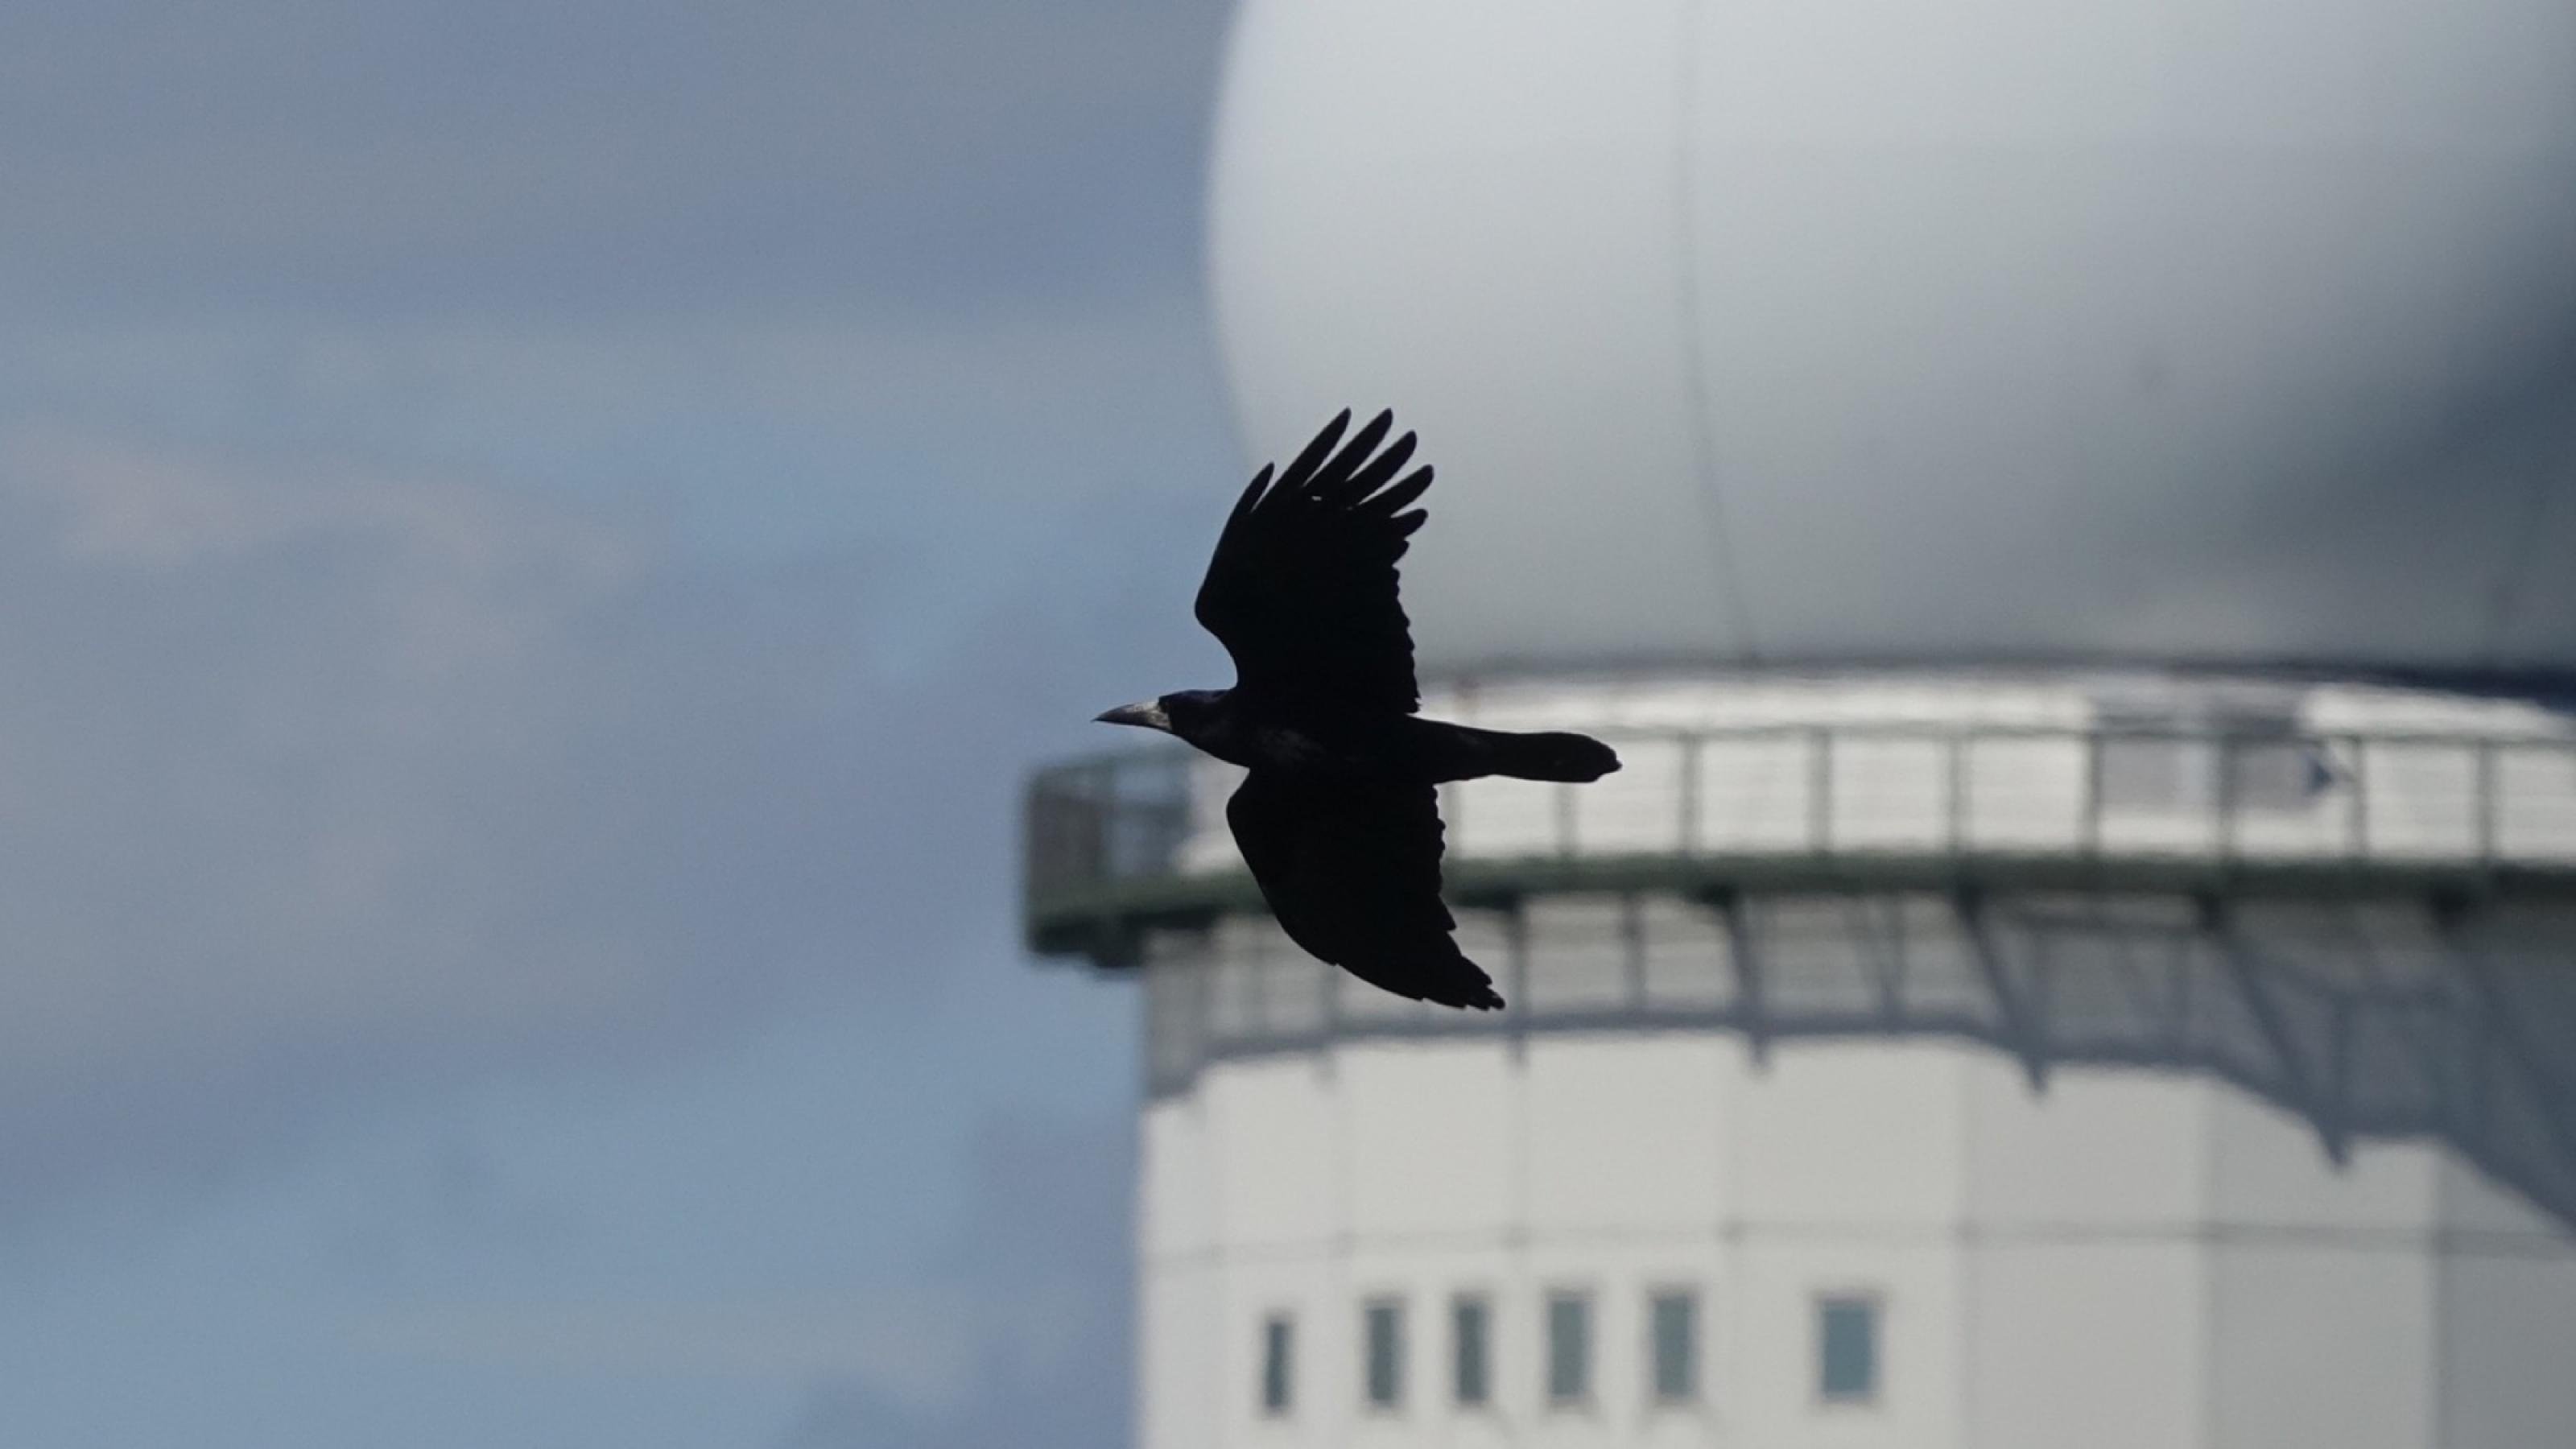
1337, 816
1243, 728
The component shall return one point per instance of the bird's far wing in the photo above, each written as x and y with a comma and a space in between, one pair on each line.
1302, 589
1353, 875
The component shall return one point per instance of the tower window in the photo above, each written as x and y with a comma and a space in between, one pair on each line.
1672, 1320
1847, 1349
1382, 1326
1471, 1346
1278, 1363
1569, 1348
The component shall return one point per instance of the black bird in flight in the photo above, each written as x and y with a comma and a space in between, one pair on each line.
1339, 819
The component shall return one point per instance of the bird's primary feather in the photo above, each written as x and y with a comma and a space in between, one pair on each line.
1302, 588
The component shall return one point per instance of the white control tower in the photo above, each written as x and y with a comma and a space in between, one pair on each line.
2069, 515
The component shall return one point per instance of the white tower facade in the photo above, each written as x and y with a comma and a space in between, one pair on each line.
2068, 519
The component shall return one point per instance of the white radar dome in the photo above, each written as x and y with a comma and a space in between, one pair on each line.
1875, 330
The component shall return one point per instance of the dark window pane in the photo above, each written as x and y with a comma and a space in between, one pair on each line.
1569, 1348
1675, 1332
1847, 1349
1278, 1345
1383, 1328
1469, 1321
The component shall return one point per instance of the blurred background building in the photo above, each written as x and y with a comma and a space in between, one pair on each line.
2067, 515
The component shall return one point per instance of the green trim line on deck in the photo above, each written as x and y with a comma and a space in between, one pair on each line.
1106, 922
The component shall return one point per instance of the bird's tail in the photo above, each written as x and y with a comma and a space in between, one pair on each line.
1551, 756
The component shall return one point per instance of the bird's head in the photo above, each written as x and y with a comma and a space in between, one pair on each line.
1173, 714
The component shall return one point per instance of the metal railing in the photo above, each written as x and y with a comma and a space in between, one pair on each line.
1153, 820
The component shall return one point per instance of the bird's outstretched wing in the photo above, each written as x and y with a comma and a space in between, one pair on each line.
1302, 589
1352, 872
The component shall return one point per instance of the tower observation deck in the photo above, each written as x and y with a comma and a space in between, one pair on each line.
2355, 902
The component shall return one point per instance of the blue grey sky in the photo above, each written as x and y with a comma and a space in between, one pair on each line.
535, 548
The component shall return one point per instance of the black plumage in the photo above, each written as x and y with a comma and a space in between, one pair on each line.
1339, 816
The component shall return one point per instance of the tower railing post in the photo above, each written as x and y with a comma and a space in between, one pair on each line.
1104, 821
1820, 791
1955, 763
2225, 758
2486, 802
2089, 826
1686, 830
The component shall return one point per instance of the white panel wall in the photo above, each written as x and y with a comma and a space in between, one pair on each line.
1176, 1211
1181, 1383
2507, 1315
2313, 1345
2269, 1169
2508, 1326
1432, 1148
2091, 1151
2119, 1260
1276, 1153
1858, 1134
2077, 1340
1612, 1147
1188, 1377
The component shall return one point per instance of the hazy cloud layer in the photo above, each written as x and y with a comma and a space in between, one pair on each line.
549, 537
1052, 1364
314, 782
1014, 1331
597, 157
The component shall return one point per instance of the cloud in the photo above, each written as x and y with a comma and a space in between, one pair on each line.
1056, 1367
598, 157
920, 1346
732, 426
533, 538
1017, 1331
315, 782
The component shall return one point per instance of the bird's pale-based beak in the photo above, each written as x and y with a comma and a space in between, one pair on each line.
1146, 713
